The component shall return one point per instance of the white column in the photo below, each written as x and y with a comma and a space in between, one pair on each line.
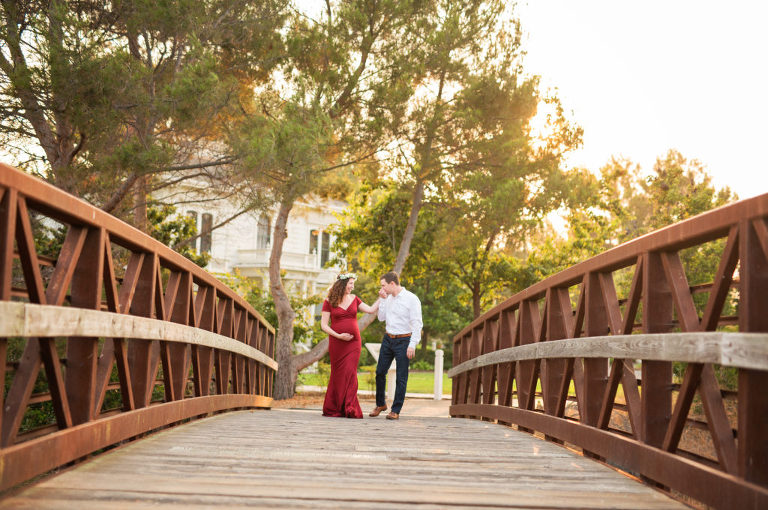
439, 374
391, 380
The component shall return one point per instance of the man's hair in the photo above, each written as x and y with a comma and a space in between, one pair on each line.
391, 277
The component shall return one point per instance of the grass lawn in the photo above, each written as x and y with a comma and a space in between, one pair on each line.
418, 382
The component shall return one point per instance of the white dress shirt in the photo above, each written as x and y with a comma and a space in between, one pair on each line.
402, 314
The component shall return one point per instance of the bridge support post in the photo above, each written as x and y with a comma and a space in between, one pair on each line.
656, 404
753, 398
595, 369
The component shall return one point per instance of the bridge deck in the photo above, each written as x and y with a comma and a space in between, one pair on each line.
298, 459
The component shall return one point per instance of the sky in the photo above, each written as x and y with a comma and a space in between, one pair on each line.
643, 77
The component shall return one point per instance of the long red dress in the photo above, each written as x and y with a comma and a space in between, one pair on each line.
341, 395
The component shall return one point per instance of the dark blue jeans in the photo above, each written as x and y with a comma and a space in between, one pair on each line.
392, 348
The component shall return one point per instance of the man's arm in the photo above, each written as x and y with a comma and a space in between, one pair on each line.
416, 325
382, 313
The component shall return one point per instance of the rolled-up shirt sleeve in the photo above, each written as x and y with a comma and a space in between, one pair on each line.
415, 322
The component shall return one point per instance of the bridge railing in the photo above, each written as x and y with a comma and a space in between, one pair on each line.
106, 334
562, 358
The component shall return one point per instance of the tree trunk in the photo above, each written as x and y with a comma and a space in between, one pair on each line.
120, 193
286, 372
476, 295
140, 206
303, 360
405, 244
56, 140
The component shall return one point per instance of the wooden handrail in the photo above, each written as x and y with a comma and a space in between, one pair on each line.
573, 336
739, 350
152, 313
29, 320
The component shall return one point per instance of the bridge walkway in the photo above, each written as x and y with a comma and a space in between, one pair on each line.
295, 458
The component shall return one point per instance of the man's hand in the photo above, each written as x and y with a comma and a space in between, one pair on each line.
411, 352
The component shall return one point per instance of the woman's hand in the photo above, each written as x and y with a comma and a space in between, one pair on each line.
345, 336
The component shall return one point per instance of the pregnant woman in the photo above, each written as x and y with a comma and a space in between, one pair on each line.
339, 320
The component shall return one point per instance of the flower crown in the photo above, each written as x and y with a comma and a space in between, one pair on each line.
346, 276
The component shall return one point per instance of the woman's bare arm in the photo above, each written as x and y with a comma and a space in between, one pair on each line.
325, 318
369, 309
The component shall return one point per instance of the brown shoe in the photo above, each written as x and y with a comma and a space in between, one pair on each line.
377, 410
393, 416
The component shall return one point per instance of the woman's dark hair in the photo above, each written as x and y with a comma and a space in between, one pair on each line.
336, 294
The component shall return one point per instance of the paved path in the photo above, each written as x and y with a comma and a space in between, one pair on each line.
295, 458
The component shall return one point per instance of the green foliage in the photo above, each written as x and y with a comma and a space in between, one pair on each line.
126, 90
165, 226
324, 373
466, 143
172, 229
422, 365
369, 235
621, 205
370, 377
304, 328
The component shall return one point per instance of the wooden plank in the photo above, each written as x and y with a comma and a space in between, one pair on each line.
83, 353
632, 396
703, 483
753, 399
683, 404
65, 265
271, 459
28, 255
743, 350
21, 462
596, 322
610, 394
506, 371
633, 298
717, 420
722, 282
31, 320
8, 212
678, 284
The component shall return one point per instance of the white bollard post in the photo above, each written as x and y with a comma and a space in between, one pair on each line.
374, 350
439, 374
391, 381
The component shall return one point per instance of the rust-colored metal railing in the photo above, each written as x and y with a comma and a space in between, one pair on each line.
132, 336
576, 339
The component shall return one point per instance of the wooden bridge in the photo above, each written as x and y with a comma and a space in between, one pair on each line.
299, 459
118, 338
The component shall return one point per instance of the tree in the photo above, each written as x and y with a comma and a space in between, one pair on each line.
100, 96
368, 238
466, 140
315, 120
622, 205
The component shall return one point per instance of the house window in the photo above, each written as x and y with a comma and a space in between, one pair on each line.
193, 216
313, 241
206, 237
262, 233
325, 250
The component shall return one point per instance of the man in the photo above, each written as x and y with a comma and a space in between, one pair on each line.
401, 311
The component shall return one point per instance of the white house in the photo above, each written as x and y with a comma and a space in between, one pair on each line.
244, 243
